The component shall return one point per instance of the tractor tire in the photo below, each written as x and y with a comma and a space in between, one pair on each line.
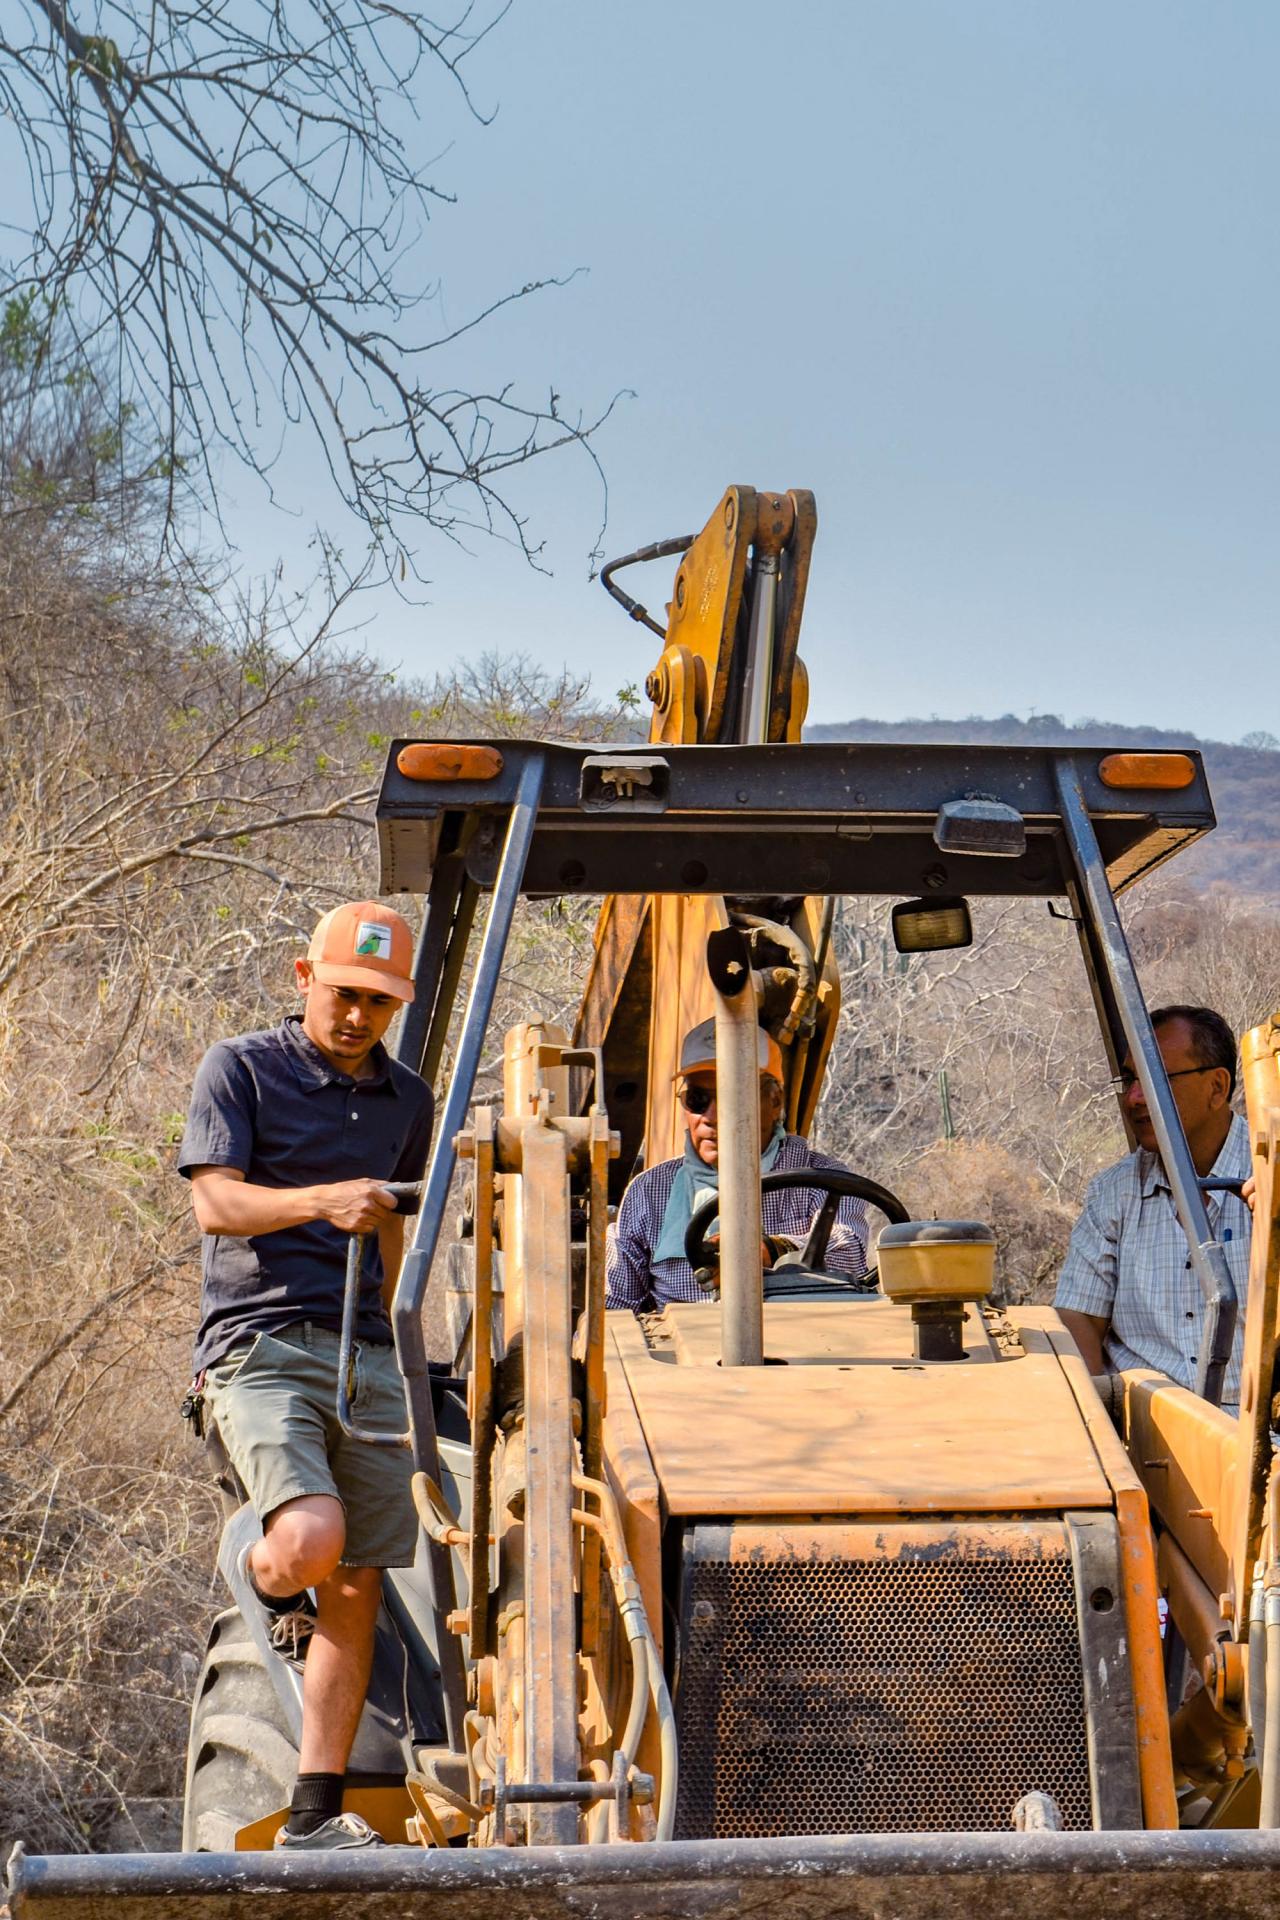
241, 1758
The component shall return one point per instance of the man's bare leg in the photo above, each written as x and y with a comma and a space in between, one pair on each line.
339, 1657
300, 1548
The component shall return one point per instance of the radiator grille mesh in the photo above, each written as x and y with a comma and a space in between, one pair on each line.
861, 1696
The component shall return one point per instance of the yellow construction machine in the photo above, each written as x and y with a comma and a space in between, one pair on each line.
808, 1597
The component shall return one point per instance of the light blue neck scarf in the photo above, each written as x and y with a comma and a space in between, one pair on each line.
695, 1179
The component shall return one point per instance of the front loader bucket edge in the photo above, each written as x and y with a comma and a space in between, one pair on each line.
1104, 1876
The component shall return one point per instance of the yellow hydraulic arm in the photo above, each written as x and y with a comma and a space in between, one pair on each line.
729, 672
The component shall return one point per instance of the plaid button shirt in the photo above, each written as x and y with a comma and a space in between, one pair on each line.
638, 1282
1128, 1263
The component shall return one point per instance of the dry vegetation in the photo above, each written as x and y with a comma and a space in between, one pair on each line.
185, 800
976, 1084
188, 784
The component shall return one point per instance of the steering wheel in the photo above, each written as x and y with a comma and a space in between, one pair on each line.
837, 1185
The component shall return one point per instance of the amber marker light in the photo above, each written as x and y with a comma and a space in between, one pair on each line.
1147, 770
448, 760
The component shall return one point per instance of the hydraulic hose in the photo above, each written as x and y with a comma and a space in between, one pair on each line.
658, 550
631, 1611
1258, 1665
648, 1679
1270, 1812
801, 959
667, 1745
635, 1628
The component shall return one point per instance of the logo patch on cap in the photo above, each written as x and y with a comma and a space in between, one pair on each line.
373, 938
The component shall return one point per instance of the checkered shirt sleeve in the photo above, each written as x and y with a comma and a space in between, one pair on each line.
1128, 1264
636, 1281
1087, 1283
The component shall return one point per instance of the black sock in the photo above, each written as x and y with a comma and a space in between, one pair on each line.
276, 1603
317, 1797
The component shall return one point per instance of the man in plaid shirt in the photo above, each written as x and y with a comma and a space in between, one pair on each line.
1127, 1293
646, 1260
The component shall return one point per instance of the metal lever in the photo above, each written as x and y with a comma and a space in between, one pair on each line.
400, 1190
624, 1785
1112, 957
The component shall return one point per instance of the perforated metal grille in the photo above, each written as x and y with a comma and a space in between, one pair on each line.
861, 1696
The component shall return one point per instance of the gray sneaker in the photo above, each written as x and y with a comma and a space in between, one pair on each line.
344, 1831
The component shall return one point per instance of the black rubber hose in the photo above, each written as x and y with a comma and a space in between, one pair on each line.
660, 550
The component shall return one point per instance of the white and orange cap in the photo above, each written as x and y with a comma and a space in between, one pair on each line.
366, 945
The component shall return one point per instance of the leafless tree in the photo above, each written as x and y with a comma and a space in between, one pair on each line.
228, 210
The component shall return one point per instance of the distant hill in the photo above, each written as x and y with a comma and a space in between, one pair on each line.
1241, 857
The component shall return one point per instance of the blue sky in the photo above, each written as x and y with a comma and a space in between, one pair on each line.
998, 280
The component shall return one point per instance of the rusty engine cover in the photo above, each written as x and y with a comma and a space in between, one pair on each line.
861, 1678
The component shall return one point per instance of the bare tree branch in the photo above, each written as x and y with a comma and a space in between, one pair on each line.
226, 203
188, 846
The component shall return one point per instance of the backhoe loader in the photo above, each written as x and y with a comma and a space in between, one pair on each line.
809, 1597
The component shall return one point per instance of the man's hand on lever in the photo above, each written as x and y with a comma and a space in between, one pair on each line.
356, 1206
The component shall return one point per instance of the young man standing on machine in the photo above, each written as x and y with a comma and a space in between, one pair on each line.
291, 1134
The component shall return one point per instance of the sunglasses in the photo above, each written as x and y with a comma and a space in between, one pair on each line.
697, 1100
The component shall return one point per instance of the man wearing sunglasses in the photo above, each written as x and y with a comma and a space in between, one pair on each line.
647, 1265
1127, 1293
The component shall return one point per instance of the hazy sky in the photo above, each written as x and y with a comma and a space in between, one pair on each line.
996, 278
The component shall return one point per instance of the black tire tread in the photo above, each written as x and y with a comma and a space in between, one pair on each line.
241, 1758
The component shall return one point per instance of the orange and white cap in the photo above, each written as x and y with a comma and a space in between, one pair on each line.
363, 944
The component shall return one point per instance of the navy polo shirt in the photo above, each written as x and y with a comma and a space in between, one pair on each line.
272, 1106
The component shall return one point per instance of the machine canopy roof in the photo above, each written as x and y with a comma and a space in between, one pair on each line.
831, 817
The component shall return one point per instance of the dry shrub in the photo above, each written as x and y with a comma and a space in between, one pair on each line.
980, 1180
107, 1541
1222, 951
1001, 1040
106, 1579
998, 1041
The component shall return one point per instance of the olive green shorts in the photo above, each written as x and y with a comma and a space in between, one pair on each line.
275, 1403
